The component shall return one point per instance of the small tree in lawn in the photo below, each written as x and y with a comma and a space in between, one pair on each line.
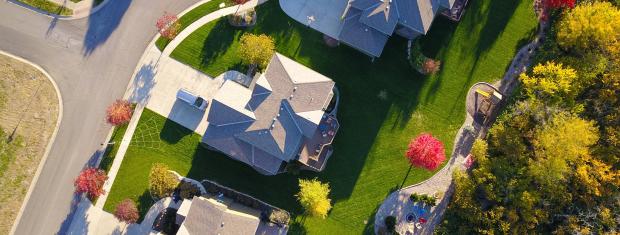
168, 26
313, 196
426, 152
90, 181
119, 112
127, 211
256, 50
161, 181
431, 66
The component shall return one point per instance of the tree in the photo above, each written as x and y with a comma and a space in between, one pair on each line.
550, 82
256, 50
91, 181
161, 181
127, 211
425, 151
590, 25
561, 142
168, 26
119, 112
313, 196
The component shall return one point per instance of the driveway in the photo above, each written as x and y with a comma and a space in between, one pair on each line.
160, 78
92, 61
321, 15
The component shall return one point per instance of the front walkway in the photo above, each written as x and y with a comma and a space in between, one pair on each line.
397, 203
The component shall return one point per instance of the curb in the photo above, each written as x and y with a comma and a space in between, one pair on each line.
49, 144
59, 17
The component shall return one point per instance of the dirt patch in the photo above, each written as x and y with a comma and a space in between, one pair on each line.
29, 102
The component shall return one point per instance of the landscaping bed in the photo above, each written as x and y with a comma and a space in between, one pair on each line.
383, 104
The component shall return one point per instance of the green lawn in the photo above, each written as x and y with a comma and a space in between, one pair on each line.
49, 6
110, 151
194, 15
368, 162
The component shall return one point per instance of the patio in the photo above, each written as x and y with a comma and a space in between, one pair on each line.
316, 150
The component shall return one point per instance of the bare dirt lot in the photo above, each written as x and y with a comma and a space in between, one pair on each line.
29, 102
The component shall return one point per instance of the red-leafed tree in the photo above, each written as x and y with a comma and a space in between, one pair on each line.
425, 151
554, 4
119, 112
240, 1
91, 181
127, 211
168, 26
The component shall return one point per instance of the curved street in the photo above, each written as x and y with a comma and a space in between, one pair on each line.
92, 60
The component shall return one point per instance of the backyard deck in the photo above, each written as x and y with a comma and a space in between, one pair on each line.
316, 150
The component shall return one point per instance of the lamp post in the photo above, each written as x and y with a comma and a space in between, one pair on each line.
21, 116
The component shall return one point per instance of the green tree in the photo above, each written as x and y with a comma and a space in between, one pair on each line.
590, 25
256, 50
550, 82
560, 142
161, 181
313, 196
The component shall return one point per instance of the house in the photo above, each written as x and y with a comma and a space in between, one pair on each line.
224, 216
284, 116
367, 24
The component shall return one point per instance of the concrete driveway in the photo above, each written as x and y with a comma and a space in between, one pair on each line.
157, 84
321, 15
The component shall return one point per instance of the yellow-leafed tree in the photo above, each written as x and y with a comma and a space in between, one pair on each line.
161, 181
256, 49
591, 25
313, 196
551, 82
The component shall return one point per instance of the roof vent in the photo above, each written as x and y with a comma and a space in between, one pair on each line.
294, 89
291, 97
366, 30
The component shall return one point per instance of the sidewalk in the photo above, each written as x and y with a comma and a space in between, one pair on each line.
397, 203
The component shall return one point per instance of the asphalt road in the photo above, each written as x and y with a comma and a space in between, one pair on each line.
91, 60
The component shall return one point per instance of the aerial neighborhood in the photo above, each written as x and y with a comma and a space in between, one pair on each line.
229, 117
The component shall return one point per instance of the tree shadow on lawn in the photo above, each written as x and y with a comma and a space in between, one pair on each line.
217, 42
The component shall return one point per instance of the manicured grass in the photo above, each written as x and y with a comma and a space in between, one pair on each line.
110, 151
368, 162
48, 6
194, 15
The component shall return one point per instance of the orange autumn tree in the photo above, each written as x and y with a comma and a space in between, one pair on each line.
119, 112
90, 181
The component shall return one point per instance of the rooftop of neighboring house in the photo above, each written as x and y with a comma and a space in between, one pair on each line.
367, 24
208, 216
265, 124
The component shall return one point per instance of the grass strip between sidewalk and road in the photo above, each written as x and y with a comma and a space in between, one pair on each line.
48, 6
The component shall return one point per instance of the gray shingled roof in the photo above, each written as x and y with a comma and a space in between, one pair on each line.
274, 135
205, 217
369, 23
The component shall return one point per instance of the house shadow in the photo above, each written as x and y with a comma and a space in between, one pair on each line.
102, 24
217, 42
143, 83
182, 120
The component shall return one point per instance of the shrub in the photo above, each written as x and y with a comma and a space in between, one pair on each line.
188, 190
161, 181
390, 223
431, 66
168, 26
313, 196
91, 181
127, 211
279, 217
119, 112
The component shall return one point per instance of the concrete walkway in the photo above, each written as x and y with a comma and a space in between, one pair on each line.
397, 203
120, 154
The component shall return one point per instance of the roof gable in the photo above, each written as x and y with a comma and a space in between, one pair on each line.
382, 16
